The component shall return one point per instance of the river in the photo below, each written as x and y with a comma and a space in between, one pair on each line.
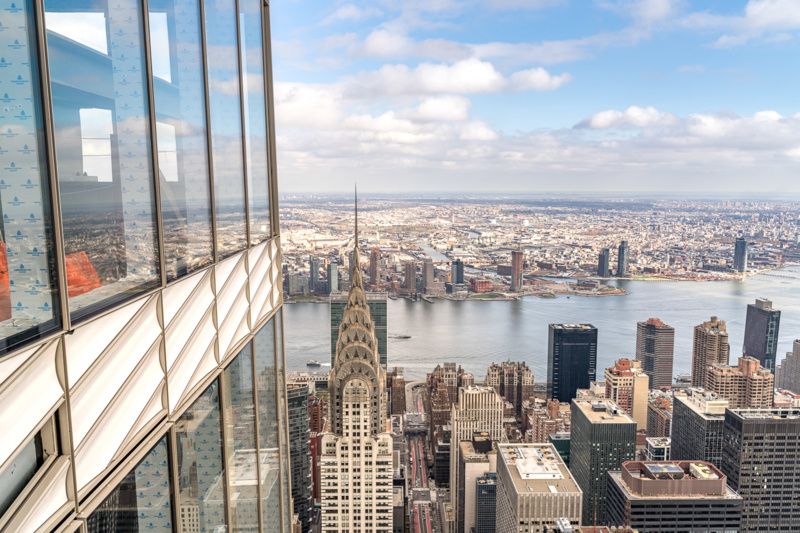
475, 333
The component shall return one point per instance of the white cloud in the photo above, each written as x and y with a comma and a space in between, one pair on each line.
351, 13
761, 19
634, 116
538, 79
441, 108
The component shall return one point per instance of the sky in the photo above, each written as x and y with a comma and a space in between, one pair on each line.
530, 96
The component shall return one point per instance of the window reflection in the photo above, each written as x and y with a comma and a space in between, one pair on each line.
103, 150
255, 117
226, 125
241, 432
141, 501
264, 346
19, 471
201, 477
27, 286
283, 426
178, 86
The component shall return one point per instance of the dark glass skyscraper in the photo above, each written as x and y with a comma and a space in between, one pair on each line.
740, 255
761, 333
622, 259
603, 268
485, 503
457, 271
571, 359
300, 453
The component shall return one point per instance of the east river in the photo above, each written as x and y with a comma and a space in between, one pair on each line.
475, 333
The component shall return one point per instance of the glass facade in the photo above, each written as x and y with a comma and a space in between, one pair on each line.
264, 348
283, 427
179, 92
19, 472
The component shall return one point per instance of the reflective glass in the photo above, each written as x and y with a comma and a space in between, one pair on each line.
19, 471
179, 99
283, 425
201, 474
240, 432
226, 125
264, 346
28, 302
255, 119
141, 501
102, 142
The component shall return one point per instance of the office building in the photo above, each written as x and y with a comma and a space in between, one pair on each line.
377, 302
657, 448
655, 346
671, 497
698, 419
356, 464
788, 373
761, 333
478, 410
457, 272
427, 274
517, 265
542, 419
711, 347
740, 255
761, 457
396, 385
603, 436
314, 284
513, 380
300, 453
410, 276
374, 268
144, 306
534, 489
627, 386
748, 385
659, 415
603, 263
476, 459
485, 503
622, 259
571, 359
333, 277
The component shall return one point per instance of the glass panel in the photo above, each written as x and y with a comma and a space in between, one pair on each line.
19, 472
283, 425
141, 501
226, 125
102, 141
28, 302
240, 434
179, 93
255, 119
264, 345
201, 478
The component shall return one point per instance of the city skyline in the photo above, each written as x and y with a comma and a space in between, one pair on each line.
552, 94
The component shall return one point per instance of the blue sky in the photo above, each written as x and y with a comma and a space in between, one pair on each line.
538, 95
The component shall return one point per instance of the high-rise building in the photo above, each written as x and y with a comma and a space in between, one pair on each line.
710, 348
534, 489
761, 333
333, 277
659, 415
299, 440
374, 267
410, 276
540, 420
571, 359
457, 272
513, 380
740, 255
517, 265
313, 274
603, 436
476, 459
657, 448
396, 385
603, 263
357, 460
478, 410
748, 385
627, 386
655, 346
486, 503
788, 373
761, 457
377, 302
670, 496
622, 259
427, 274
698, 418
141, 286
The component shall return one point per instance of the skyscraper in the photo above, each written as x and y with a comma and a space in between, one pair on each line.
740, 255
761, 333
747, 385
457, 272
356, 459
299, 435
710, 348
427, 274
788, 373
333, 277
154, 272
603, 437
571, 359
517, 264
377, 302
603, 263
374, 267
486, 503
622, 259
655, 345
476, 459
627, 386
698, 419
761, 457
410, 276
513, 380
313, 275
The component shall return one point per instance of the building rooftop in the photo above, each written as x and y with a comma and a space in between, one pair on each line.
658, 442
536, 468
603, 412
706, 404
766, 414
585, 327
672, 479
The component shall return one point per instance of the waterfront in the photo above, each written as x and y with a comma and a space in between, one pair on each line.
475, 333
